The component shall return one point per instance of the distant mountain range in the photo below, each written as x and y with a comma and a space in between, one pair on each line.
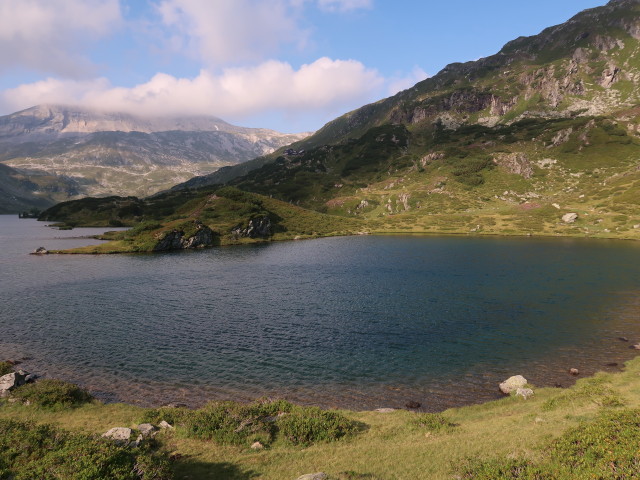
87, 152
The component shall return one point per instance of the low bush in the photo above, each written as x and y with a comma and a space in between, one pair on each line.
266, 421
50, 393
29, 451
5, 367
308, 425
433, 422
606, 449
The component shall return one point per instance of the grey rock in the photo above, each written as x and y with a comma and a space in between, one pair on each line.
12, 380
146, 429
512, 384
40, 251
569, 217
314, 476
163, 424
385, 410
119, 435
574, 371
257, 446
138, 441
524, 393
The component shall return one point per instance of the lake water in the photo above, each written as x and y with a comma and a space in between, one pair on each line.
357, 322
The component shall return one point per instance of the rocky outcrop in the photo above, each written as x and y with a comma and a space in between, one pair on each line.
517, 163
259, 227
178, 240
610, 75
120, 435
11, 381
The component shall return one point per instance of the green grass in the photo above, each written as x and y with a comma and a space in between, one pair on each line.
558, 430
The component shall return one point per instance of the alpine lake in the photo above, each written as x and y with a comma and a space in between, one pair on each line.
351, 322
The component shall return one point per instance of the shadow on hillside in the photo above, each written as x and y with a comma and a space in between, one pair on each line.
193, 469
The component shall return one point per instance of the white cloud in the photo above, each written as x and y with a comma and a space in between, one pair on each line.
398, 83
344, 5
223, 32
51, 35
325, 87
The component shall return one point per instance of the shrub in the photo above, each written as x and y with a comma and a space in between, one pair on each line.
5, 367
29, 451
49, 393
606, 449
503, 469
433, 422
305, 426
267, 421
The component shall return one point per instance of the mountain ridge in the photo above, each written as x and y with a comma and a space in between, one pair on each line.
542, 138
109, 153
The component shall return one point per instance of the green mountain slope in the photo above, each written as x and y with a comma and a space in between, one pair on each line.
21, 192
541, 138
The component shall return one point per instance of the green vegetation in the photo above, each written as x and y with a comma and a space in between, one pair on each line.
605, 449
433, 422
29, 450
52, 394
265, 421
557, 434
5, 367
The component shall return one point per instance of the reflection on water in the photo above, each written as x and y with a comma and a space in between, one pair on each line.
358, 322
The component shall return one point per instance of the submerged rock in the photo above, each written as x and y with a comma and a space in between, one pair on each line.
512, 384
413, 404
574, 371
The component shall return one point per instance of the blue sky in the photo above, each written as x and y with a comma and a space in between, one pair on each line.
290, 65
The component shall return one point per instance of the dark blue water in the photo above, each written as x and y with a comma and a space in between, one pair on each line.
358, 322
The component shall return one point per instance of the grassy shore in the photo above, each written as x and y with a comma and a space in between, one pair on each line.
396, 445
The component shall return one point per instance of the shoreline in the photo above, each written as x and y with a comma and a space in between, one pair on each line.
621, 369
85, 250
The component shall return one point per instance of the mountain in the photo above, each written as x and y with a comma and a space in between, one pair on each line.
542, 138
20, 192
117, 153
